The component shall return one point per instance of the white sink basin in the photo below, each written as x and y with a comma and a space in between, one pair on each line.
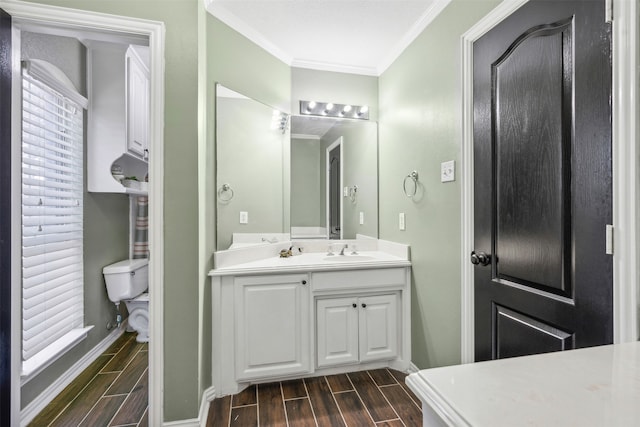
348, 258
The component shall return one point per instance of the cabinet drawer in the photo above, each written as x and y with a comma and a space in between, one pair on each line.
358, 279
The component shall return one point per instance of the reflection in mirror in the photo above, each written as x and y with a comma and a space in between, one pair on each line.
252, 140
334, 178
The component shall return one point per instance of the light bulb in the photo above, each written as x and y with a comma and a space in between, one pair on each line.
329, 106
346, 109
363, 110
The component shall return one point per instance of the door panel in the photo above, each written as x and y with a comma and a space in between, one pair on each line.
519, 335
542, 162
532, 148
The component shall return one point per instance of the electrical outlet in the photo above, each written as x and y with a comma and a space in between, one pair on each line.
401, 222
244, 217
361, 218
448, 171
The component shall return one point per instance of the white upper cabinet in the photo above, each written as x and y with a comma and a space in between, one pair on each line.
118, 115
137, 104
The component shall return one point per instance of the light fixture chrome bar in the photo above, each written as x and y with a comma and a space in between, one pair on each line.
329, 109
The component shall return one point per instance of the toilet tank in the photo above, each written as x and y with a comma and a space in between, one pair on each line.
126, 279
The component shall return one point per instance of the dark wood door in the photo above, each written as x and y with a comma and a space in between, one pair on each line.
542, 162
5, 218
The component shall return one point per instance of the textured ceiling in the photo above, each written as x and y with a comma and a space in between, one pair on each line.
358, 36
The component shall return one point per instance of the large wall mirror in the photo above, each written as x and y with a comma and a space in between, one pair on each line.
300, 177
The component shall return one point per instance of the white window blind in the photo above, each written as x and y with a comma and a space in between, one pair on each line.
52, 216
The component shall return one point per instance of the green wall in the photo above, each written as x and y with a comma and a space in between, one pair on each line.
420, 122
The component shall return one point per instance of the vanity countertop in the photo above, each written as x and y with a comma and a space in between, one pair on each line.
597, 386
314, 261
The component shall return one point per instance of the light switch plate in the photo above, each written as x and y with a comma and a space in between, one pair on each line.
244, 217
361, 218
401, 223
448, 171
345, 191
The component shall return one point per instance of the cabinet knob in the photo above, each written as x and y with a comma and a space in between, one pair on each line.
304, 282
355, 305
364, 305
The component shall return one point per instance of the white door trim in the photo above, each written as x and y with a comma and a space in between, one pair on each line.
625, 170
155, 31
625, 64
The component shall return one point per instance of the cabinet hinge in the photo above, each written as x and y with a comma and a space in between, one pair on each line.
609, 244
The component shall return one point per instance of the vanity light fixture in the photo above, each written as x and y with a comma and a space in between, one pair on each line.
329, 109
279, 120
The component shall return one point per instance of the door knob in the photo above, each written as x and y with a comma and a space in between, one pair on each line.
480, 258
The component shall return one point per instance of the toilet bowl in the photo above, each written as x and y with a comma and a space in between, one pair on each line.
127, 282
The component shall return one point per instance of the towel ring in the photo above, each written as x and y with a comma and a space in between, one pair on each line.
226, 188
414, 177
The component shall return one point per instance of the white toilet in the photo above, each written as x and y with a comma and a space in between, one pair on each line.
128, 281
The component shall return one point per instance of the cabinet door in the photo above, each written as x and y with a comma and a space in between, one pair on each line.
337, 331
272, 326
378, 325
137, 106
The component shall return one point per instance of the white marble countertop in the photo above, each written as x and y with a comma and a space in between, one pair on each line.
265, 259
315, 261
598, 386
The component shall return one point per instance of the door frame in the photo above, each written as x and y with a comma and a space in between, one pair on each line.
626, 170
327, 171
87, 20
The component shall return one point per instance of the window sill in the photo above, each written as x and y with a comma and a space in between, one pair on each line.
53, 352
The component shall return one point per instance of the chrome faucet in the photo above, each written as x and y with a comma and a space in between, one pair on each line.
343, 248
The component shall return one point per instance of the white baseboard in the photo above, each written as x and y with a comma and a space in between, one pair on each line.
207, 396
194, 422
39, 403
413, 368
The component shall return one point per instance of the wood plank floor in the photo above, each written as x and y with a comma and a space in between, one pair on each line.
112, 391
368, 398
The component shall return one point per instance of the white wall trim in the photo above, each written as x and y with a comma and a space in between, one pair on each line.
223, 14
427, 18
75, 19
207, 397
493, 18
625, 169
39, 403
337, 68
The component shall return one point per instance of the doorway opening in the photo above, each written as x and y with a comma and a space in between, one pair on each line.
90, 29
334, 190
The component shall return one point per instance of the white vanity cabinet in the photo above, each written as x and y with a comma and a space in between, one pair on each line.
272, 326
356, 329
280, 318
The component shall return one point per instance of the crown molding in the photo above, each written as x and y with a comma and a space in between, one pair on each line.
247, 31
427, 17
336, 68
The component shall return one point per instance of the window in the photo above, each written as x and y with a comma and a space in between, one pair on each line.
52, 218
